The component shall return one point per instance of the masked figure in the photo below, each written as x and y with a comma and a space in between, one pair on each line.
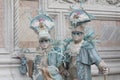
80, 51
44, 66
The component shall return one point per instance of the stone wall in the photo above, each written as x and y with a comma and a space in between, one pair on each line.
14, 31
2, 23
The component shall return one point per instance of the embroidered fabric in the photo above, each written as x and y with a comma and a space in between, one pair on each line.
74, 48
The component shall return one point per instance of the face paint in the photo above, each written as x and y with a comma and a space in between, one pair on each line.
44, 43
77, 36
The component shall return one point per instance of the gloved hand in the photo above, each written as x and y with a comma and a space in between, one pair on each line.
103, 68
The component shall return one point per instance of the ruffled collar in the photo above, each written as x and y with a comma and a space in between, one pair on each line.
74, 48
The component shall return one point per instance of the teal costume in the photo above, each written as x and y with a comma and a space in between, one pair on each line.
80, 57
54, 60
45, 63
86, 56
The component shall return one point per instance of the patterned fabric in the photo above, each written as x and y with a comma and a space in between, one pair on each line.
52, 63
79, 16
50, 60
86, 57
42, 21
41, 25
23, 67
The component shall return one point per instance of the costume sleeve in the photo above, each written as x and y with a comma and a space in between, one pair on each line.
52, 58
94, 56
60, 58
89, 56
23, 66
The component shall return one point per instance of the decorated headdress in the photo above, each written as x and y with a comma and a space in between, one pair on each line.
42, 24
78, 16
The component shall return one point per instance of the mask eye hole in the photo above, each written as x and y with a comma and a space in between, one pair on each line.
77, 33
44, 40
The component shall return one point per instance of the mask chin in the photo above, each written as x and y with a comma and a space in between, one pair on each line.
44, 45
77, 39
44, 42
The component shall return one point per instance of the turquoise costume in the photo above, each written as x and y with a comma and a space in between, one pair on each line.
77, 59
53, 60
80, 66
80, 56
49, 58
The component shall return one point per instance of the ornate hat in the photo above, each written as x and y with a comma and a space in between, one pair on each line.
42, 24
78, 16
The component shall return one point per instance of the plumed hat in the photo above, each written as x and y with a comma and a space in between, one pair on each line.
42, 24
79, 16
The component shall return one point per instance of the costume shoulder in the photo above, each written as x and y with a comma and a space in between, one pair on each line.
88, 54
88, 45
56, 56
